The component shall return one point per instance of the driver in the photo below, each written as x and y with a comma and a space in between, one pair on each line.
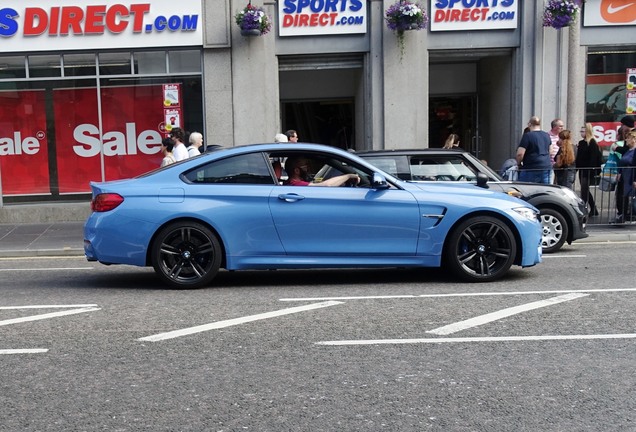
297, 168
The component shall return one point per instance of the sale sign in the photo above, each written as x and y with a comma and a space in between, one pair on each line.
23, 143
128, 144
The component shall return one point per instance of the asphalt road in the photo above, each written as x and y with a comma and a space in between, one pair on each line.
86, 347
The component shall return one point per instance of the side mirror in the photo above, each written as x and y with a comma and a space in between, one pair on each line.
379, 182
482, 179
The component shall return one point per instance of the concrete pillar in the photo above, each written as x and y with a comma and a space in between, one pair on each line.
405, 84
576, 82
255, 88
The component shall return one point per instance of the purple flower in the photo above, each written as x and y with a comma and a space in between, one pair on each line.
405, 15
560, 13
253, 18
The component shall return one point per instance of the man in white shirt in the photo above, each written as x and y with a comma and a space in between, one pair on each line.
196, 141
179, 151
557, 126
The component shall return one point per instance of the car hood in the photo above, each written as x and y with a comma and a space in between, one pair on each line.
470, 190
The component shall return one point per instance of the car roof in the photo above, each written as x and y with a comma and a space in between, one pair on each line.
411, 151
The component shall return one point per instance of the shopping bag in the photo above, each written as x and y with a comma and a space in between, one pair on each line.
609, 173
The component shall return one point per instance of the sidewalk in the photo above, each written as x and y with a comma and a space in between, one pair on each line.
66, 238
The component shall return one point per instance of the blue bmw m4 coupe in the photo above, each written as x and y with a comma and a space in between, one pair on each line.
261, 207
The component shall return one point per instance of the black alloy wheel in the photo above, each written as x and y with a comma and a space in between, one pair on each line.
480, 249
186, 255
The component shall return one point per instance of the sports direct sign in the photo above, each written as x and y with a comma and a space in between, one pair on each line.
449, 15
321, 17
55, 25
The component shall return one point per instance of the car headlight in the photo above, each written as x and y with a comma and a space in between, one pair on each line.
570, 193
527, 213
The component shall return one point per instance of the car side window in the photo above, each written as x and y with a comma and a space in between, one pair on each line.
440, 169
242, 169
394, 165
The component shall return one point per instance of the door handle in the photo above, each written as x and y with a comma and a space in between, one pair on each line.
290, 197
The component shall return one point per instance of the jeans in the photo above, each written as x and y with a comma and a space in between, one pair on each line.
535, 176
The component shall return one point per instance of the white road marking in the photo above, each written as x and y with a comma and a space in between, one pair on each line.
479, 294
47, 306
235, 321
46, 269
48, 315
478, 339
494, 316
23, 351
563, 256
42, 258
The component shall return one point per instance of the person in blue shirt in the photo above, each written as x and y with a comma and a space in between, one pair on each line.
533, 154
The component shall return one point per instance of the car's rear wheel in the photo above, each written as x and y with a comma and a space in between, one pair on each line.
186, 255
481, 249
554, 230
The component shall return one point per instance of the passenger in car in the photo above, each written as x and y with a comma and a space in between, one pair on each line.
297, 168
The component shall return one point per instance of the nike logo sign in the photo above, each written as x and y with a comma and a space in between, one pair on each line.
618, 11
613, 9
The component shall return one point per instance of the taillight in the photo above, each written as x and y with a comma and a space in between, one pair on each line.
106, 202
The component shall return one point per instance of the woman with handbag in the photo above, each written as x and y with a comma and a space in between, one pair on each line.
564, 161
588, 161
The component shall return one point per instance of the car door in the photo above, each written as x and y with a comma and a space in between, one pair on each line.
345, 221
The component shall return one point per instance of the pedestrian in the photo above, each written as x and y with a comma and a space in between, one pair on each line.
179, 151
564, 161
620, 147
628, 179
452, 141
533, 154
292, 136
195, 141
588, 161
280, 138
556, 126
167, 145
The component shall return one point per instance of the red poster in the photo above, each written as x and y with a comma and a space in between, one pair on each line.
24, 163
132, 131
606, 133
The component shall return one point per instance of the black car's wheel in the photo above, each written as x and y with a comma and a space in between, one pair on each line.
555, 230
186, 255
481, 249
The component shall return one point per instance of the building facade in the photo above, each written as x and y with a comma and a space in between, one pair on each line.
87, 91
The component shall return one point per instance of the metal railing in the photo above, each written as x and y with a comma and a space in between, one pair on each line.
605, 197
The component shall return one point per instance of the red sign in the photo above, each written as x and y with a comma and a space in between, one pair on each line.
132, 126
606, 133
23, 143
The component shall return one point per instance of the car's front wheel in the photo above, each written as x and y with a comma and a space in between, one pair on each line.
480, 249
186, 255
554, 230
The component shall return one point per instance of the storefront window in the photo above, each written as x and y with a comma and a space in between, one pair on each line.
184, 61
153, 62
44, 66
79, 65
606, 90
114, 63
57, 135
12, 67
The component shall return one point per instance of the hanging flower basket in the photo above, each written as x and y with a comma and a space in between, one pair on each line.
561, 13
405, 15
253, 21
